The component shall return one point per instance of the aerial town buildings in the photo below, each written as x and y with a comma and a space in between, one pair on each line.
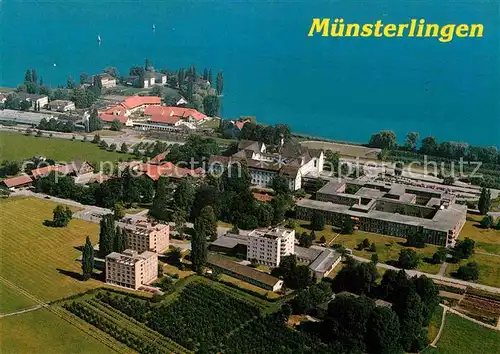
269, 246
21, 117
61, 105
35, 100
131, 269
390, 209
264, 166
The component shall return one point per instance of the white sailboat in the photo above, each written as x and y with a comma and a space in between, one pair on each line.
154, 27
99, 38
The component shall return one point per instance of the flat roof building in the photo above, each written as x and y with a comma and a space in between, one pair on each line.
21, 117
390, 209
143, 236
131, 269
269, 246
245, 273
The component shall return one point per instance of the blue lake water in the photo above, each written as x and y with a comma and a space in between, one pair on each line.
340, 88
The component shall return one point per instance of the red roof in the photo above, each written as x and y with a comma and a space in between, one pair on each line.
171, 114
17, 181
43, 171
137, 101
240, 123
115, 113
159, 158
262, 197
111, 117
168, 169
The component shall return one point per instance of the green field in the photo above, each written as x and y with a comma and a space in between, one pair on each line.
388, 247
489, 268
41, 331
435, 324
37, 258
11, 300
16, 147
487, 240
461, 336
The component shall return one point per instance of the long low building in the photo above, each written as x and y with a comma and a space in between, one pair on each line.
245, 273
390, 211
21, 117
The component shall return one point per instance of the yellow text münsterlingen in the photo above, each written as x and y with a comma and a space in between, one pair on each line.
415, 28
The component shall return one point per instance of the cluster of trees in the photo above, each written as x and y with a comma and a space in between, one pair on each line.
295, 276
430, 146
94, 123
365, 244
488, 222
13, 101
463, 249
111, 238
484, 203
307, 240
65, 126
205, 227
318, 221
61, 217
196, 148
126, 189
414, 300
309, 298
9, 168
267, 134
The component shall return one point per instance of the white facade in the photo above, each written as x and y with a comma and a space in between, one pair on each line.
269, 246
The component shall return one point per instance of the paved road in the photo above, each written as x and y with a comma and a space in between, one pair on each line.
435, 276
21, 311
88, 213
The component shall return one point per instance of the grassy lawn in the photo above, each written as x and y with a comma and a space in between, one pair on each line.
16, 146
102, 133
213, 123
489, 268
435, 324
38, 258
388, 248
328, 232
170, 269
41, 331
461, 336
487, 240
11, 300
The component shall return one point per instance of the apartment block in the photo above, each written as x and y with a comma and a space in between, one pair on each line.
143, 236
131, 269
269, 246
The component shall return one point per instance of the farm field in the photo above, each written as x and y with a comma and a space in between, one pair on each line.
487, 240
17, 146
37, 258
202, 315
461, 336
41, 331
489, 268
11, 300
